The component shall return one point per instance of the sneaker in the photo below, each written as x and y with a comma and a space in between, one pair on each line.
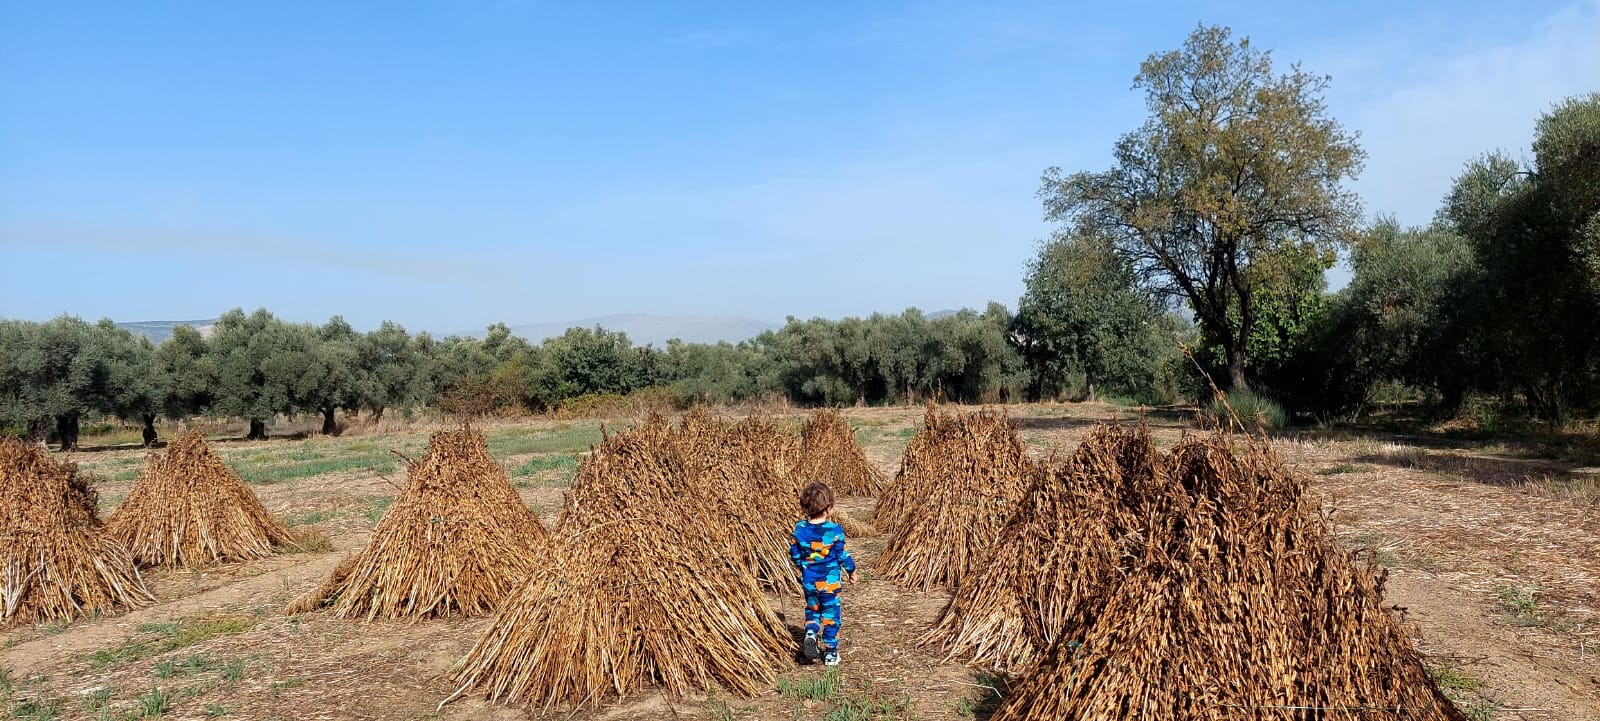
831, 658
812, 652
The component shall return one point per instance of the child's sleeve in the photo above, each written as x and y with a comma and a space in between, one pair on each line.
846, 561
797, 555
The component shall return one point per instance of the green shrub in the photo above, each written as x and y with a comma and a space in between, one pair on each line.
1258, 412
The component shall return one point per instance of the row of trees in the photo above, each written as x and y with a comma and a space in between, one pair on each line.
258, 367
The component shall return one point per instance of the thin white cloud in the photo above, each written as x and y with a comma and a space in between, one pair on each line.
1433, 114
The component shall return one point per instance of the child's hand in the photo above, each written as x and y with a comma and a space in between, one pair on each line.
850, 576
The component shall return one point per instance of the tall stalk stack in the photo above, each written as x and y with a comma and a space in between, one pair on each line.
188, 509
457, 541
960, 480
56, 561
648, 579
830, 454
1238, 603
1055, 559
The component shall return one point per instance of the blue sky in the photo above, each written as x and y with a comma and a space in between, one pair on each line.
446, 165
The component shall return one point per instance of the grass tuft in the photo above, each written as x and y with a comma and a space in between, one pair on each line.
818, 688
169, 636
154, 703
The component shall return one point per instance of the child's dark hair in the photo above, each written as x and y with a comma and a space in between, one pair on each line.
816, 499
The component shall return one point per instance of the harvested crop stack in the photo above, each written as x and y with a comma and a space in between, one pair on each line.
829, 453
1057, 557
1240, 605
188, 509
960, 481
638, 590
56, 562
853, 527
753, 497
457, 540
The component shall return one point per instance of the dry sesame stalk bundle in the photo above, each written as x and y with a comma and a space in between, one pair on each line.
457, 540
960, 480
56, 561
188, 509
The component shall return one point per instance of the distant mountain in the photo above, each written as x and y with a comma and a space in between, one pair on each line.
656, 330
160, 330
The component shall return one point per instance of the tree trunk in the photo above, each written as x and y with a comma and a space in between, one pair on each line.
67, 431
39, 429
258, 430
149, 430
376, 414
329, 425
1236, 369
1091, 391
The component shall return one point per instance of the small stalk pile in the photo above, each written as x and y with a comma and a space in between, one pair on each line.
56, 561
639, 588
829, 453
959, 482
187, 509
457, 541
1056, 558
1239, 604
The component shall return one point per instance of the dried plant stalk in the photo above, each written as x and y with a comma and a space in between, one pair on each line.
960, 480
188, 509
56, 561
830, 453
652, 578
1238, 603
1056, 558
458, 540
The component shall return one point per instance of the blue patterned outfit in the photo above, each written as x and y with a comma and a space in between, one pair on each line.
818, 550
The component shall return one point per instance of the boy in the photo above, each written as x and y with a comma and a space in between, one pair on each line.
818, 550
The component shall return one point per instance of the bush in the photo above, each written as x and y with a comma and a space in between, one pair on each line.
1257, 412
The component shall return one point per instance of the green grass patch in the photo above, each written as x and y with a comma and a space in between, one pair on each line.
1340, 469
310, 517
376, 505
268, 473
525, 441
818, 688
98, 699
868, 706
216, 710
158, 638
1521, 603
154, 703
560, 469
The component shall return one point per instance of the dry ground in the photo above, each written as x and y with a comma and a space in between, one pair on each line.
1495, 556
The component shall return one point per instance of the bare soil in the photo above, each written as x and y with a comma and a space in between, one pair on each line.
1493, 553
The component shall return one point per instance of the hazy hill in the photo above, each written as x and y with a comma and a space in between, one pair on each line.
160, 330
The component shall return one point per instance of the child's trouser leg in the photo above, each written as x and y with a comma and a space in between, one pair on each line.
830, 612
814, 612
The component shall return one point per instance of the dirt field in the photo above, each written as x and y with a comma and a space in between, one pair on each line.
1495, 555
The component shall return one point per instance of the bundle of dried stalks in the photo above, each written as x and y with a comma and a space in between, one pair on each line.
457, 540
854, 527
188, 509
58, 563
645, 583
830, 454
1056, 558
959, 482
1241, 605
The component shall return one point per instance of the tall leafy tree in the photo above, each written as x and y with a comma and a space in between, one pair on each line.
1083, 313
1234, 165
1535, 233
258, 361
